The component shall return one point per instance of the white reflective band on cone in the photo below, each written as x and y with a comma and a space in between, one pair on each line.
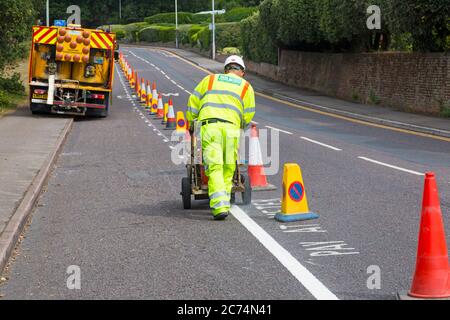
255, 155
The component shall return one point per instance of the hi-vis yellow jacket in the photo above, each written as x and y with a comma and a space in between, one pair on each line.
224, 96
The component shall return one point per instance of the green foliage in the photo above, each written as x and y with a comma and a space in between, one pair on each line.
237, 14
340, 25
257, 45
157, 34
5, 101
183, 18
228, 35
15, 28
231, 50
373, 98
12, 84
401, 42
445, 109
428, 22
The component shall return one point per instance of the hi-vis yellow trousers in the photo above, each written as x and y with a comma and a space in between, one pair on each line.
220, 144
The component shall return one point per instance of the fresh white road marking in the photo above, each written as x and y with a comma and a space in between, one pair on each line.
303, 275
276, 129
173, 81
392, 167
254, 122
321, 144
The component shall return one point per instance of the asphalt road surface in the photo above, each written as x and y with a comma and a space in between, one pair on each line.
112, 208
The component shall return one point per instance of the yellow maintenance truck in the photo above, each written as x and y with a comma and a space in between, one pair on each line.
71, 70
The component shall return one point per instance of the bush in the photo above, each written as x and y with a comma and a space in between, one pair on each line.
257, 45
183, 18
12, 85
157, 34
201, 18
239, 14
231, 51
4, 101
120, 34
228, 35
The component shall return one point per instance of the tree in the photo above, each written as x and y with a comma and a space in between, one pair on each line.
428, 22
15, 28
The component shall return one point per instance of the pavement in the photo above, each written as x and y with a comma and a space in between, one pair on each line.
112, 207
371, 113
27, 150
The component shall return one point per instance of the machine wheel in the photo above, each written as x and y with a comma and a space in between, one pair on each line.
186, 192
247, 194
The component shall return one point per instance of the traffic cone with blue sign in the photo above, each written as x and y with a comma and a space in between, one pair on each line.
171, 120
143, 92
294, 204
160, 111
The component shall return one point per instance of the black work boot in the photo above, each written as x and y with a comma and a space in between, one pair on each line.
221, 216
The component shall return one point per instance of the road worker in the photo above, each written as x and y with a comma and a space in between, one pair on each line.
223, 104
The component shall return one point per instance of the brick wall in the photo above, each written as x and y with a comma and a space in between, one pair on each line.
407, 81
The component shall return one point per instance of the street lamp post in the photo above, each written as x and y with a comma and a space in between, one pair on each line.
213, 32
120, 10
176, 24
48, 12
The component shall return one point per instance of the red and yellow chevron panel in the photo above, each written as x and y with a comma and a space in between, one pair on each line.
101, 40
44, 35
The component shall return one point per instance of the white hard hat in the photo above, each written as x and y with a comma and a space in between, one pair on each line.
234, 59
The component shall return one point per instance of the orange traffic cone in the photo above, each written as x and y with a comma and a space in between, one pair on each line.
258, 179
143, 91
171, 120
149, 97
132, 76
160, 110
432, 275
154, 91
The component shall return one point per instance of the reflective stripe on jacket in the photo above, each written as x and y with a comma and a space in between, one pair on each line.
223, 96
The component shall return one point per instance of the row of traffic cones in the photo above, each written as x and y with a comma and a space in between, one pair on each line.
152, 101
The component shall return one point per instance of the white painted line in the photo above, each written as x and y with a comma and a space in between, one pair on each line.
188, 92
276, 129
171, 147
254, 122
165, 140
180, 87
163, 72
168, 77
173, 82
321, 144
303, 275
392, 167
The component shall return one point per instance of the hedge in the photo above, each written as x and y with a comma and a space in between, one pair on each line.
183, 18
237, 14
256, 44
157, 34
